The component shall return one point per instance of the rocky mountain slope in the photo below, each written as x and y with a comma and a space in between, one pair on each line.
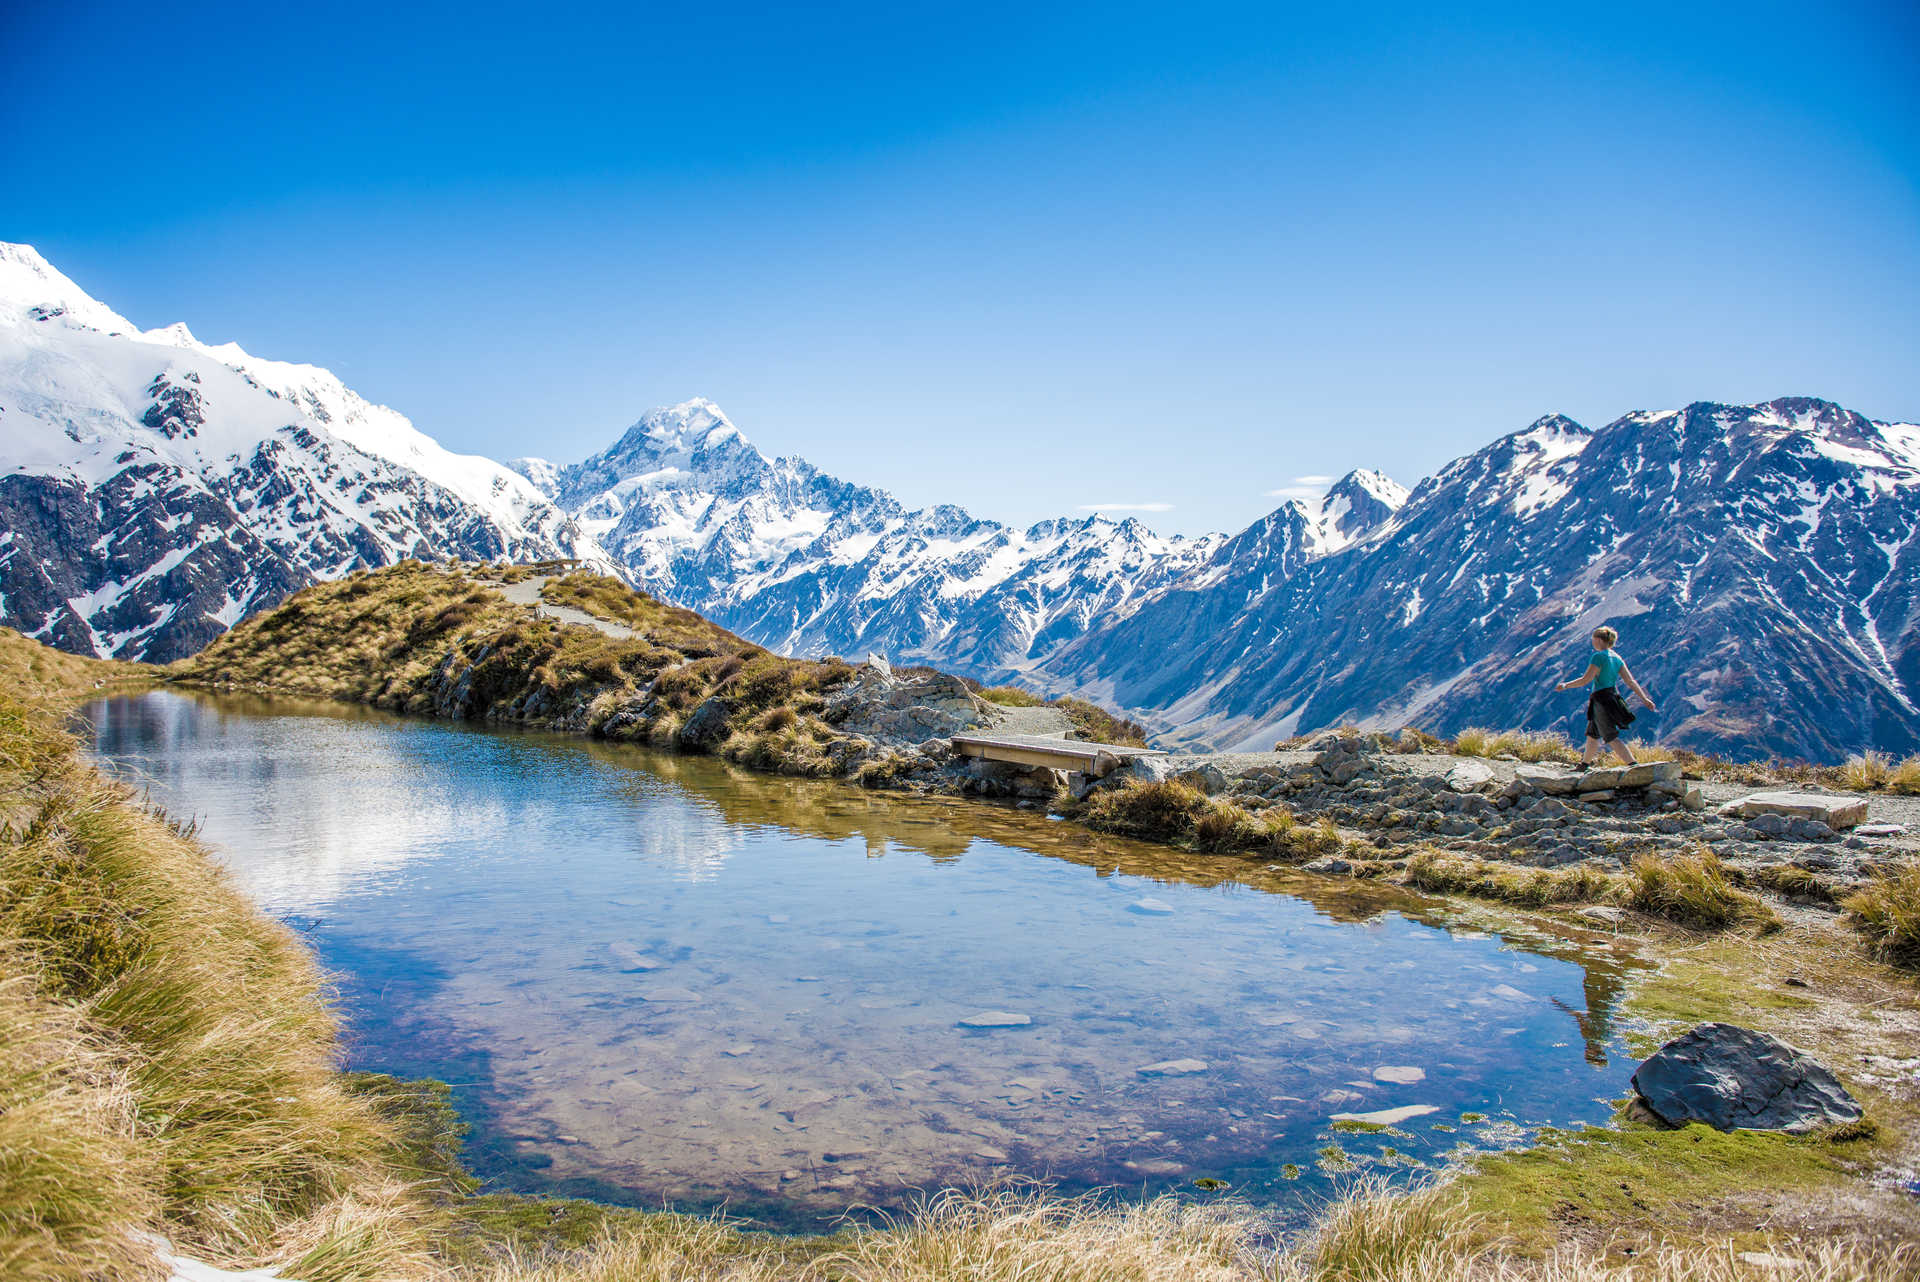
154, 490
1761, 562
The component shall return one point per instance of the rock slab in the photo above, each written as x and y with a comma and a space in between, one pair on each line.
1835, 812
997, 1019
1735, 1078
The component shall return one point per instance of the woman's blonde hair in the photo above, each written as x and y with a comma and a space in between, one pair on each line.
1606, 637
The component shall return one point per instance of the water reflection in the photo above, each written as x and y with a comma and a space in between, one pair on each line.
656, 977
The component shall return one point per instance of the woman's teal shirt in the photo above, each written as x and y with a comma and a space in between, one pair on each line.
1609, 664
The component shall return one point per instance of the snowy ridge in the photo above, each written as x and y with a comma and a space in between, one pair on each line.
807, 563
154, 489
1761, 562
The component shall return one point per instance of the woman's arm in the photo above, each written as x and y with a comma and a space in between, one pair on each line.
1626, 674
1593, 670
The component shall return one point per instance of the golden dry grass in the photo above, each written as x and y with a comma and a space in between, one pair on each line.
1887, 913
173, 1055
1174, 813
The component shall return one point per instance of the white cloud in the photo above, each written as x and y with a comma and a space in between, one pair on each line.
1303, 487
1126, 507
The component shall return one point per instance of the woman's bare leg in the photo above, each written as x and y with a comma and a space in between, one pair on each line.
1622, 751
1590, 752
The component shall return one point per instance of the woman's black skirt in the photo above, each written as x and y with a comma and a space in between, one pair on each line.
1607, 714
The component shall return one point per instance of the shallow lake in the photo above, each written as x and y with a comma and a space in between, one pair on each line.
659, 980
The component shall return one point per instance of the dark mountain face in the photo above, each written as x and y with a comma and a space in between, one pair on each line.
1759, 561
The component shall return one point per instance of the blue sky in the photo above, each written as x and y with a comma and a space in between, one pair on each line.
1025, 257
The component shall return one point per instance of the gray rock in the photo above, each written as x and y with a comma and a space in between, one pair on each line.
707, 727
1470, 776
996, 1019
1733, 1078
1880, 830
1835, 812
1208, 778
1546, 779
1172, 1068
1770, 824
1811, 830
1329, 866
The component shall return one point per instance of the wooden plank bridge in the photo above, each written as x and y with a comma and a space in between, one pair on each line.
1094, 760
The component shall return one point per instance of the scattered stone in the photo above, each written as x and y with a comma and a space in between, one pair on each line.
996, 1019
1811, 830
1732, 1078
669, 996
1388, 1116
990, 1154
632, 960
1603, 794
1172, 1068
1329, 866
1400, 1074
1602, 914
1470, 776
1150, 907
1835, 812
1880, 830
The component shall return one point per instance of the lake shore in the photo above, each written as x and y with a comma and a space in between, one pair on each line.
1619, 1194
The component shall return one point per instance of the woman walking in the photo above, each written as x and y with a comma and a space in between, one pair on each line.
1607, 712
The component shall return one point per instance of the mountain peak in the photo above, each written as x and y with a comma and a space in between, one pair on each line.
34, 290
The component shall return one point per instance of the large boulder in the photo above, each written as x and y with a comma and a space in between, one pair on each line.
1732, 1078
1835, 812
706, 729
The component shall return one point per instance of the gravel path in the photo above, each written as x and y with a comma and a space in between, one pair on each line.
1050, 722
527, 592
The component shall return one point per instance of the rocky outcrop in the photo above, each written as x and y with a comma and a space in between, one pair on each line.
1530, 815
905, 709
1735, 1078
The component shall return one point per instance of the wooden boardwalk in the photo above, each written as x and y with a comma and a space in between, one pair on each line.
1042, 751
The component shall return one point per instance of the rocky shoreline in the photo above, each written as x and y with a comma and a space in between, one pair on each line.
1391, 799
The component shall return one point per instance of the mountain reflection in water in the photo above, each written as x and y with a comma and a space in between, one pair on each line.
659, 978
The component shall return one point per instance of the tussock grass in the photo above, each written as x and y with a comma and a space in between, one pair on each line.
1694, 890
1887, 913
1530, 887
433, 640
1175, 813
1020, 1235
74, 1189
171, 1058
1011, 697
1527, 745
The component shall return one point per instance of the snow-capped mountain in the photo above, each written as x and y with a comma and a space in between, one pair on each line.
806, 563
1761, 563
155, 489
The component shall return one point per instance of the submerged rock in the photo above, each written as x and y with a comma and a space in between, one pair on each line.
1733, 1078
1172, 1068
996, 1019
1388, 1116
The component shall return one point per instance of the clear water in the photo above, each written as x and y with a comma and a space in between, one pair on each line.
659, 980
